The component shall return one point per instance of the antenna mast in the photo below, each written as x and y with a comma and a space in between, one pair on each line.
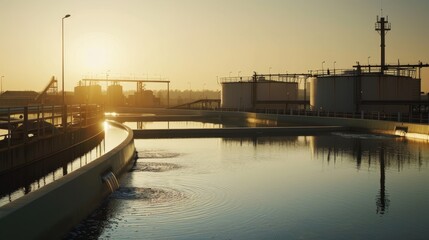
383, 26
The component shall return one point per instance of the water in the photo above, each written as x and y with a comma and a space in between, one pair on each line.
337, 186
24, 181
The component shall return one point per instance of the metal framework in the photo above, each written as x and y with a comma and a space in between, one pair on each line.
51, 87
408, 70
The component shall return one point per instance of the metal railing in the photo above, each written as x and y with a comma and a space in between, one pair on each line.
21, 124
266, 78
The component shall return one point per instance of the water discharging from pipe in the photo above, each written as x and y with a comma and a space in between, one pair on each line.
111, 181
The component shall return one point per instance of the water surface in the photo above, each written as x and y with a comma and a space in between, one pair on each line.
337, 186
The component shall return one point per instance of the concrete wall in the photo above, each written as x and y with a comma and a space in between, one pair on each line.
416, 131
53, 210
387, 127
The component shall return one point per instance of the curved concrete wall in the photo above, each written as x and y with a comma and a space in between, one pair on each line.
386, 127
415, 130
53, 210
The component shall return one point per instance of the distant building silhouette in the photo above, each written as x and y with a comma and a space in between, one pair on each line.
18, 98
88, 94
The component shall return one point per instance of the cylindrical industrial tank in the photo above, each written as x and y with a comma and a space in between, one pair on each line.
80, 94
277, 91
385, 88
88, 94
333, 93
379, 87
236, 95
115, 96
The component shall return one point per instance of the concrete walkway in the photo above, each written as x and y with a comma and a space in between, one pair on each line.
159, 118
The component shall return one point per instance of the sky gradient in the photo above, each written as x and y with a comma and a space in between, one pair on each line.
191, 42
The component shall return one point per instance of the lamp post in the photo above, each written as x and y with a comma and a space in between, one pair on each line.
369, 66
334, 66
323, 63
62, 56
64, 115
190, 92
204, 91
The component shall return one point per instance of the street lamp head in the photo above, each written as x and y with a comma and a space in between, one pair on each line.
66, 16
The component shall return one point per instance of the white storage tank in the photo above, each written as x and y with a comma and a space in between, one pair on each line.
240, 94
277, 91
236, 95
344, 93
333, 93
115, 96
389, 88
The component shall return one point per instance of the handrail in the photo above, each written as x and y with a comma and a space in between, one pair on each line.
18, 124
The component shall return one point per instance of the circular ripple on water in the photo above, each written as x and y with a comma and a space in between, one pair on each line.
154, 167
151, 154
204, 201
147, 194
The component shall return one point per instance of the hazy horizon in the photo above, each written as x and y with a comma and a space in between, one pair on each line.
191, 42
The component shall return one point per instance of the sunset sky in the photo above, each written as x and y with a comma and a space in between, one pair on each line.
191, 42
